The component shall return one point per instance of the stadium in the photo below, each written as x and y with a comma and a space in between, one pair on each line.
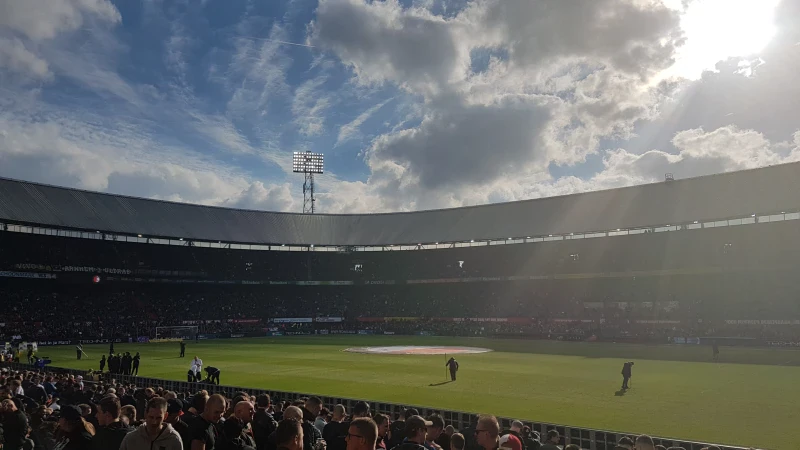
540, 301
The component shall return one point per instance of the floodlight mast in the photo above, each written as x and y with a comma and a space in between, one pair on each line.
308, 164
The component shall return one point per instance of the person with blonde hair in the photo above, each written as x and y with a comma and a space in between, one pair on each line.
74, 432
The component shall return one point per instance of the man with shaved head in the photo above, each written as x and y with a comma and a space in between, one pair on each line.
203, 432
310, 432
244, 411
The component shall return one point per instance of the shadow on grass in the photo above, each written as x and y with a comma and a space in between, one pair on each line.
620, 392
440, 384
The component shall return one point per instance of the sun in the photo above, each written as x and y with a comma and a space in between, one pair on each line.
719, 29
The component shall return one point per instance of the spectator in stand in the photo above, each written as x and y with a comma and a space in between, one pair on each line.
74, 433
203, 429
310, 433
457, 441
383, 422
444, 438
644, 442
487, 432
658, 447
334, 431
234, 436
322, 419
110, 431
264, 423
174, 413
15, 426
289, 435
154, 433
244, 411
416, 429
512, 439
553, 439
36, 391
434, 431
397, 430
362, 434
311, 409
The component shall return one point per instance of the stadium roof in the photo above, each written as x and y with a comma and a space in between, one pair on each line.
715, 197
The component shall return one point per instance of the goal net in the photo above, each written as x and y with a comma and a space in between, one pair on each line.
164, 334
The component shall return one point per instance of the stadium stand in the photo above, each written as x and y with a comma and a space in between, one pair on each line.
674, 262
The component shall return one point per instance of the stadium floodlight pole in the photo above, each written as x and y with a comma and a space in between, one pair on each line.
308, 164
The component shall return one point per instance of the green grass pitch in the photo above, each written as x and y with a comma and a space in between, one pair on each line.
749, 398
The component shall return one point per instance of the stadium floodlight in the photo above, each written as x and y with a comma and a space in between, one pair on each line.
308, 164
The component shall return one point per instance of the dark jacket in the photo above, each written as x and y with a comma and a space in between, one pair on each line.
15, 429
310, 435
263, 425
110, 436
334, 434
75, 441
626, 370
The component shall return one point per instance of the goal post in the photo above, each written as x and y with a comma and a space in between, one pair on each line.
178, 333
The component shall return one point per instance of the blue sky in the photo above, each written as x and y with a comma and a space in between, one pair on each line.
416, 104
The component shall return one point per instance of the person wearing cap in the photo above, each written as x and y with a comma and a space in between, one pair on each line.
434, 431
110, 431
416, 430
154, 433
174, 413
362, 434
74, 432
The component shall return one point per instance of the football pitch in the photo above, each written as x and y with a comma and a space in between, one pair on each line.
748, 398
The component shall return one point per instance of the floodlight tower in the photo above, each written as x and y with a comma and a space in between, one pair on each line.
308, 164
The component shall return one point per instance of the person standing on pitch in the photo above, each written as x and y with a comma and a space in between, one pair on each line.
135, 368
111, 348
452, 364
183, 349
715, 349
102, 363
79, 349
626, 373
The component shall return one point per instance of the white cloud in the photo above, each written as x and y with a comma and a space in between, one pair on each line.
45, 19
351, 130
309, 106
18, 59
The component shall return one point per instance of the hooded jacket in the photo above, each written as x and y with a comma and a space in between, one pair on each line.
169, 439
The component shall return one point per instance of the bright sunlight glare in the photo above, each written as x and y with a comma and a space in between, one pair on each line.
719, 29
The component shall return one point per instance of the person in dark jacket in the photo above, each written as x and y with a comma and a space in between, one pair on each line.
212, 375
110, 431
102, 363
15, 426
232, 436
263, 423
135, 367
452, 364
174, 413
626, 373
74, 433
415, 430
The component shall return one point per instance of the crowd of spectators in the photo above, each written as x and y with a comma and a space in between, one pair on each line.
49, 411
